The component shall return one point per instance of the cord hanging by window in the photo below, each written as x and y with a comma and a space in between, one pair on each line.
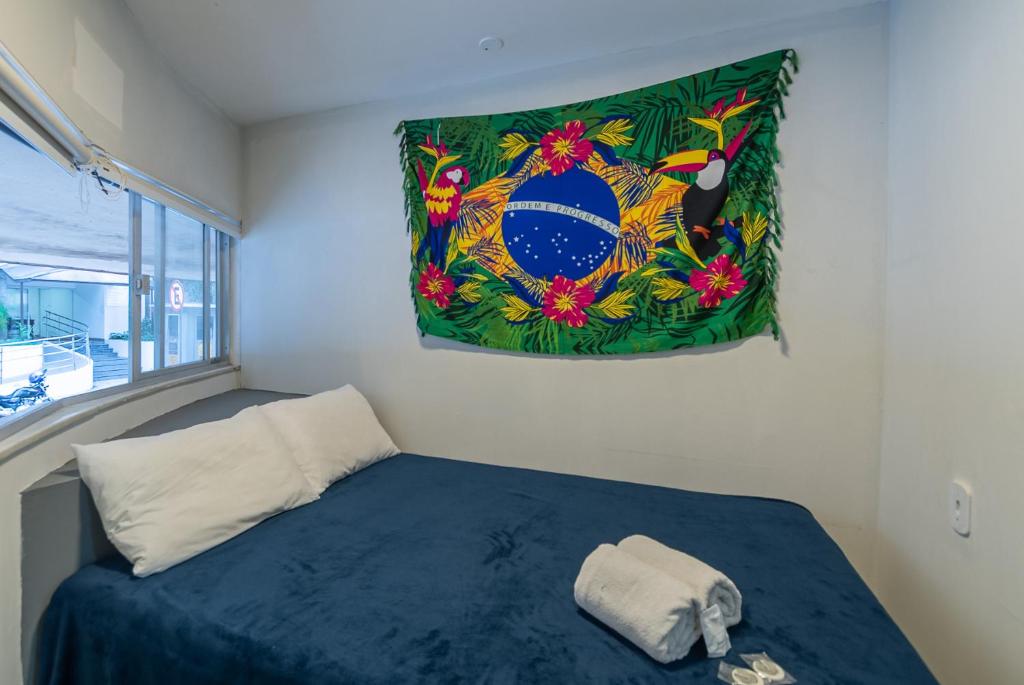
101, 170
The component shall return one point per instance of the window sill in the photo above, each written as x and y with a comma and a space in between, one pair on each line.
45, 422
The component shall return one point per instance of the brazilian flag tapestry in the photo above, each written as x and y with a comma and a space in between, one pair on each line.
632, 223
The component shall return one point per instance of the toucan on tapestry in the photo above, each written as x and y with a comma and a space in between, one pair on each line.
632, 223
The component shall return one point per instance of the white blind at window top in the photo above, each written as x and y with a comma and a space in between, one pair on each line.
26, 108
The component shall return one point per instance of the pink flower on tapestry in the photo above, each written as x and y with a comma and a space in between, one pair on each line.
721, 280
565, 301
436, 286
563, 147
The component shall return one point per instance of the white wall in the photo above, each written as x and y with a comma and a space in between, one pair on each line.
325, 267
87, 307
115, 310
954, 361
102, 308
91, 58
27, 467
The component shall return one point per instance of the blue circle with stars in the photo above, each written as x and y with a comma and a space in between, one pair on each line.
546, 244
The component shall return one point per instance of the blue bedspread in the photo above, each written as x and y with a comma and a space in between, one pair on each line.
421, 569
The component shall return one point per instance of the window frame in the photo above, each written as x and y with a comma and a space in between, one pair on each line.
212, 359
136, 305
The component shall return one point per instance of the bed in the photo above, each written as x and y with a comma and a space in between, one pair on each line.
422, 569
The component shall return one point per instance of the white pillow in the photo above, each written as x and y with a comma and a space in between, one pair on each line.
167, 498
331, 435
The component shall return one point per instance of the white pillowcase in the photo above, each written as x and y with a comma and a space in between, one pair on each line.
331, 435
167, 498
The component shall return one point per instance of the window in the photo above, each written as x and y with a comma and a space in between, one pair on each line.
152, 216
213, 264
181, 262
97, 289
183, 283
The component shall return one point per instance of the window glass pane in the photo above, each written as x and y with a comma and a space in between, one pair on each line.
152, 216
183, 289
214, 268
63, 281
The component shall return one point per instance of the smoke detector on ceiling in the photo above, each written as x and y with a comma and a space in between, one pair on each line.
491, 44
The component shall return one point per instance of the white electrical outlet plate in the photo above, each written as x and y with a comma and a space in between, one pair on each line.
960, 507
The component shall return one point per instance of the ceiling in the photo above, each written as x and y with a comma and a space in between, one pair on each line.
264, 59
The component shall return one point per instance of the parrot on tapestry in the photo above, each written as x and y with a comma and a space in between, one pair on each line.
442, 195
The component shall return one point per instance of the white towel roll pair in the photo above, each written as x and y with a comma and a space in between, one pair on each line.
653, 595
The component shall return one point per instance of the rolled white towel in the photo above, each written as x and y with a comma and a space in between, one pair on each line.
710, 585
641, 603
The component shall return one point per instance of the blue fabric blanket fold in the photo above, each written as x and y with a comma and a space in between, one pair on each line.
421, 569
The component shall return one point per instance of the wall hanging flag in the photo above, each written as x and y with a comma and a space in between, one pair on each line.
632, 223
